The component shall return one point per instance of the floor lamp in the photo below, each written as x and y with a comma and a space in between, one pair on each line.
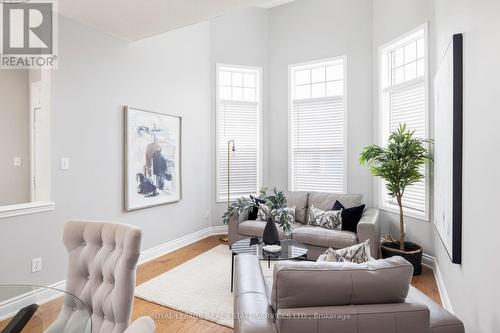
230, 149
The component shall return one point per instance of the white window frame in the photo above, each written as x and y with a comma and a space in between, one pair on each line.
290, 114
384, 126
218, 66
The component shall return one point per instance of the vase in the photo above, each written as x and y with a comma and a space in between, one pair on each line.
271, 235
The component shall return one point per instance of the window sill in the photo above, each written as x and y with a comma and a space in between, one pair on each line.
406, 212
25, 209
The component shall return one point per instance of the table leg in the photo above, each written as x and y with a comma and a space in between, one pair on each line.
232, 270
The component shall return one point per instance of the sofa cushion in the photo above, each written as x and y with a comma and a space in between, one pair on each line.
256, 228
299, 200
319, 236
325, 201
309, 284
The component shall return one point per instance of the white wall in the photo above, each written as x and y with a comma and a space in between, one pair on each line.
14, 136
306, 30
97, 76
391, 19
473, 287
239, 38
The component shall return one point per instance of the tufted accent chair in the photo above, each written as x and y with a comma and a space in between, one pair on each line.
101, 272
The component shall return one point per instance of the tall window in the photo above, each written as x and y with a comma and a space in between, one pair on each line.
317, 126
238, 121
404, 99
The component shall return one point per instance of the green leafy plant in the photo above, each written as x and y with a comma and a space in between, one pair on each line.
276, 203
399, 164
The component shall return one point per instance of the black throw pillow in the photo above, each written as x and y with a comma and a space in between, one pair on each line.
350, 216
252, 213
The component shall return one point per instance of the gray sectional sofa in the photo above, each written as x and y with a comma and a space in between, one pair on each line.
317, 239
326, 297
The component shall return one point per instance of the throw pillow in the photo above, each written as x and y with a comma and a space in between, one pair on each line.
331, 256
350, 216
263, 213
252, 213
358, 254
290, 211
331, 219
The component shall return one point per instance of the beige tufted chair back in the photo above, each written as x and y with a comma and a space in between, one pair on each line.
101, 271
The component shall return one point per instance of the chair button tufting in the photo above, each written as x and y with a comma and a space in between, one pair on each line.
83, 243
74, 308
88, 276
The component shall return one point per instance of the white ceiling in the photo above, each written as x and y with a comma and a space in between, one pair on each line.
136, 19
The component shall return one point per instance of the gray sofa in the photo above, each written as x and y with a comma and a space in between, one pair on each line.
300, 297
317, 239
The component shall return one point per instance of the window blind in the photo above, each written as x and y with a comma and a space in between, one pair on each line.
317, 140
407, 105
238, 119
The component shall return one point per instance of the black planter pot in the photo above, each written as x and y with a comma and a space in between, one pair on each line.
412, 253
271, 235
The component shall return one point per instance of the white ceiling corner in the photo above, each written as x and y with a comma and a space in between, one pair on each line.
274, 3
133, 20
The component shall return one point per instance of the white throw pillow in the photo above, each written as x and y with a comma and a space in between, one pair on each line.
358, 254
330, 219
264, 212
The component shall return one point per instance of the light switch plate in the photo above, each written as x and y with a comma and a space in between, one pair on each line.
17, 161
64, 163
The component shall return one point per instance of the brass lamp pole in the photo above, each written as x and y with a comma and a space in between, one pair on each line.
230, 148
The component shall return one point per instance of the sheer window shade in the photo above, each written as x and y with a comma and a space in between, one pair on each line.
238, 119
317, 147
406, 102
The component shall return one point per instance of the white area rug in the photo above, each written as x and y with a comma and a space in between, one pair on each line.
199, 287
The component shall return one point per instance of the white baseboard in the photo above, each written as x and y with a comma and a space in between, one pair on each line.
9, 307
178, 243
431, 262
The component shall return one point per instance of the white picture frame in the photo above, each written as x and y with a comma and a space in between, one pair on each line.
152, 158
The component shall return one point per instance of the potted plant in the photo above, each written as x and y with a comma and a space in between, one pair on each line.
278, 213
399, 164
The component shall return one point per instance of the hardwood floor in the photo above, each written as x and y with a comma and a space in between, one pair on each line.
168, 322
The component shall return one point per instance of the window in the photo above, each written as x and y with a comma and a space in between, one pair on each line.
317, 126
404, 99
238, 119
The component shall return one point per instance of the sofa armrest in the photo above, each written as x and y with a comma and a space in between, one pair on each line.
234, 222
252, 311
369, 228
141, 325
369, 318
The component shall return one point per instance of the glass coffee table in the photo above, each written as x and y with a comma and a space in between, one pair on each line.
35, 309
290, 249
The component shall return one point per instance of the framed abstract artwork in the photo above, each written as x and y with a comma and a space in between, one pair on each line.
448, 111
152, 159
